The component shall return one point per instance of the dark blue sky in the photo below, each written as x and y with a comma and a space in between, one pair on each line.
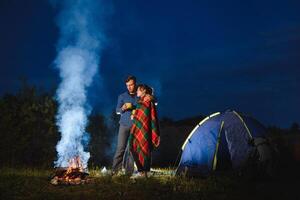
200, 56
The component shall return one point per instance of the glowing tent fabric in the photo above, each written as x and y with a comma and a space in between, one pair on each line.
220, 141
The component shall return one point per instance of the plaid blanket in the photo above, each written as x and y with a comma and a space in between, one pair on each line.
144, 134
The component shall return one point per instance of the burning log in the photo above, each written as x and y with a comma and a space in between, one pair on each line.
63, 176
73, 175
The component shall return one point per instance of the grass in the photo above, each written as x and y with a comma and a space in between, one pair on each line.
34, 184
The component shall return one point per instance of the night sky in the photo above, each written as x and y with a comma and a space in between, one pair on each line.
200, 56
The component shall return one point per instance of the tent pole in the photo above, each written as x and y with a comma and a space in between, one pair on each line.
217, 147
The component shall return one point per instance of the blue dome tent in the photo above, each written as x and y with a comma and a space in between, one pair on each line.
220, 141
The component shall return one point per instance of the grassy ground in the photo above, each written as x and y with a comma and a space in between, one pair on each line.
34, 184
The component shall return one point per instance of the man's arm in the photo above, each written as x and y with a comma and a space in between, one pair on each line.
119, 105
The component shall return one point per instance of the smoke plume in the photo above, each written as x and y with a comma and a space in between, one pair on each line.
77, 60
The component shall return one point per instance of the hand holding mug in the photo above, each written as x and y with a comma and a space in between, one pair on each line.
126, 106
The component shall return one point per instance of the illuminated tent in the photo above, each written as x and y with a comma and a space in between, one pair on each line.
222, 141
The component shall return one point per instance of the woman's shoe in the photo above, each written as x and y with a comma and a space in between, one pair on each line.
139, 175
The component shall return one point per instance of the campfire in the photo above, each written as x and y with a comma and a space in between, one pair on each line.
74, 174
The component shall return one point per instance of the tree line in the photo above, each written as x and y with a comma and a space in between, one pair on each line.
28, 132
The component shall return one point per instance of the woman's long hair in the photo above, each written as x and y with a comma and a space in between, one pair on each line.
149, 90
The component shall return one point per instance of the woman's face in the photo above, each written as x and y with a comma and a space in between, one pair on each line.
140, 92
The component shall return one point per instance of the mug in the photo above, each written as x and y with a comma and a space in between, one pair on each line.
128, 105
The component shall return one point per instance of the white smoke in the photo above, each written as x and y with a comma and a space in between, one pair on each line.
79, 47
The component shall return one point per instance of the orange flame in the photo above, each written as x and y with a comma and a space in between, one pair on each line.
75, 164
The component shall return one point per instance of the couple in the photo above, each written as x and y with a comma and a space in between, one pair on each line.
139, 130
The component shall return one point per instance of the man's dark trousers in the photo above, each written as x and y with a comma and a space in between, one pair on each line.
118, 161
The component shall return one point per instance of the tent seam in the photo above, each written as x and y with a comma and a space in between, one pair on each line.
240, 117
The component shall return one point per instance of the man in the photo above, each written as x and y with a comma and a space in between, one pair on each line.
126, 103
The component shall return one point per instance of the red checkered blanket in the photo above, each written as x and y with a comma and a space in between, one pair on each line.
144, 133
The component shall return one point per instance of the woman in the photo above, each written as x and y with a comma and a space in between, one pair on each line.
144, 133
